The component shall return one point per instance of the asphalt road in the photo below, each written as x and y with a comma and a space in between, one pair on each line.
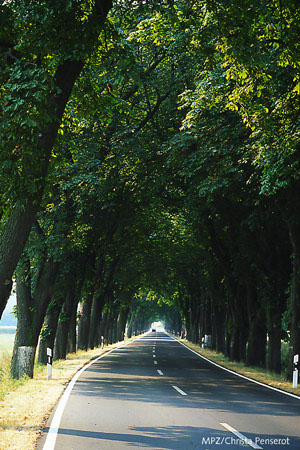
156, 394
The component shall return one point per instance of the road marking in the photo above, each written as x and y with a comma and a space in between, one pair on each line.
54, 427
179, 390
160, 372
154, 356
241, 436
155, 362
239, 375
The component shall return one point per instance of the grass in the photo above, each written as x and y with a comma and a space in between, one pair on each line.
6, 383
26, 404
256, 373
6, 343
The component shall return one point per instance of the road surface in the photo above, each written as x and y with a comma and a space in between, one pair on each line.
154, 393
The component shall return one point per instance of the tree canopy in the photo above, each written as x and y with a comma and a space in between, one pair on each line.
149, 170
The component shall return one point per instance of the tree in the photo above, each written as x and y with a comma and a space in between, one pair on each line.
178, 155
41, 61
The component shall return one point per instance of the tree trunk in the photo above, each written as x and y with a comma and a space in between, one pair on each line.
111, 330
102, 326
234, 344
219, 327
256, 354
239, 331
217, 297
12, 241
31, 308
294, 231
23, 360
71, 342
257, 339
84, 322
121, 323
97, 306
49, 329
114, 330
289, 207
274, 345
130, 323
228, 331
276, 304
108, 328
188, 325
61, 339
60, 344
194, 320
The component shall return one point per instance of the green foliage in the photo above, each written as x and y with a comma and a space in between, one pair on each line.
15, 311
63, 317
177, 150
45, 333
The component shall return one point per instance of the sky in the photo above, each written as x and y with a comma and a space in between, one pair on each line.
10, 304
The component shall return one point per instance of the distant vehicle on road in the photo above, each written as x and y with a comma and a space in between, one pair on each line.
153, 330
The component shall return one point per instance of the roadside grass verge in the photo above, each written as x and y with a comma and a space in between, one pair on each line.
26, 404
256, 373
6, 342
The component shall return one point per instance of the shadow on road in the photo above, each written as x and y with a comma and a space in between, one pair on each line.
187, 438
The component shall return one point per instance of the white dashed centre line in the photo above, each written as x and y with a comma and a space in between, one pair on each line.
160, 372
155, 362
179, 390
241, 436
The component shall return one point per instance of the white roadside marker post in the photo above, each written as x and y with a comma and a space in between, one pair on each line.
295, 371
102, 342
49, 363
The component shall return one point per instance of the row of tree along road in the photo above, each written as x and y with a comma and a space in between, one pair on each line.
149, 169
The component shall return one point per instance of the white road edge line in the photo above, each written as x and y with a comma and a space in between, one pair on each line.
54, 427
160, 372
241, 436
239, 375
179, 390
